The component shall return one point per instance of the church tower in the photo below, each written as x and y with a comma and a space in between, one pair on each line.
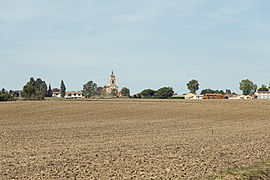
112, 80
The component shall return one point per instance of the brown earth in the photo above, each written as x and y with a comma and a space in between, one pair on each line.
131, 139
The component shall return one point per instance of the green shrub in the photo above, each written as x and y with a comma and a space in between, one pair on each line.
6, 97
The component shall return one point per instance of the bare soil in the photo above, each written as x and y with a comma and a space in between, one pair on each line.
131, 139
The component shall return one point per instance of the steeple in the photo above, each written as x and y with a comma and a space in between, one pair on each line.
112, 80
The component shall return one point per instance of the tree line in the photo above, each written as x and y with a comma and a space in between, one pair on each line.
38, 90
246, 86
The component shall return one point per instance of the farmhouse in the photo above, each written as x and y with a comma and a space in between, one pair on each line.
262, 95
69, 94
213, 96
56, 94
193, 96
73, 94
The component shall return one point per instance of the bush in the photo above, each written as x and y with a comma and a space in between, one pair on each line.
6, 97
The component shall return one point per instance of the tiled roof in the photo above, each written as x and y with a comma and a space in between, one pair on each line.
73, 92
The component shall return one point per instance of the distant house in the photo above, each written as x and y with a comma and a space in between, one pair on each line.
56, 94
193, 96
69, 94
73, 94
16, 93
262, 95
179, 96
241, 97
213, 96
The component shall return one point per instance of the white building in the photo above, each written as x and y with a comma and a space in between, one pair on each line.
73, 94
193, 96
262, 95
56, 94
69, 94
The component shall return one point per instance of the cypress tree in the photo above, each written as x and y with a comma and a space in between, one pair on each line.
50, 91
63, 89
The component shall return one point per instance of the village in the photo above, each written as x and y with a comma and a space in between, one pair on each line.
112, 91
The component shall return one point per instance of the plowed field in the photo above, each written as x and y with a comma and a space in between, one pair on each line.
131, 139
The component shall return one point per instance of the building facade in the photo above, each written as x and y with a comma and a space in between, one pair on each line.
213, 96
262, 95
112, 87
69, 94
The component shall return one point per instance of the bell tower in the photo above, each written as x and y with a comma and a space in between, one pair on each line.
112, 80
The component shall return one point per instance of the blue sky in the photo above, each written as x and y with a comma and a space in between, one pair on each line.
148, 43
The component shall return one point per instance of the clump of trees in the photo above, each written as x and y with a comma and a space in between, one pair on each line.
148, 93
125, 92
263, 88
5, 96
206, 91
163, 93
35, 89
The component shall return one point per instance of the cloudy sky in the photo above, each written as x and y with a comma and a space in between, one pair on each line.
148, 43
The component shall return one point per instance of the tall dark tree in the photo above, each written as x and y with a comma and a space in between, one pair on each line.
90, 89
247, 87
193, 86
125, 92
63, 89
50, 92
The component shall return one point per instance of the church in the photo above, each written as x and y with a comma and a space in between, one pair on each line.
112, 87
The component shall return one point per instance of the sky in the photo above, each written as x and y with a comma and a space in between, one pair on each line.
147, 43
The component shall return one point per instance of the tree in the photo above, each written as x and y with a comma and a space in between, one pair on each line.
248, 87
3, 91
63, 89
6, 97
89, 89
137, 95
148, 93
228, 91
219, 92
43, 89
113, 93
50, 92
125, 92
205, 91
193, 86
263, 88
34, 90
164, 92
